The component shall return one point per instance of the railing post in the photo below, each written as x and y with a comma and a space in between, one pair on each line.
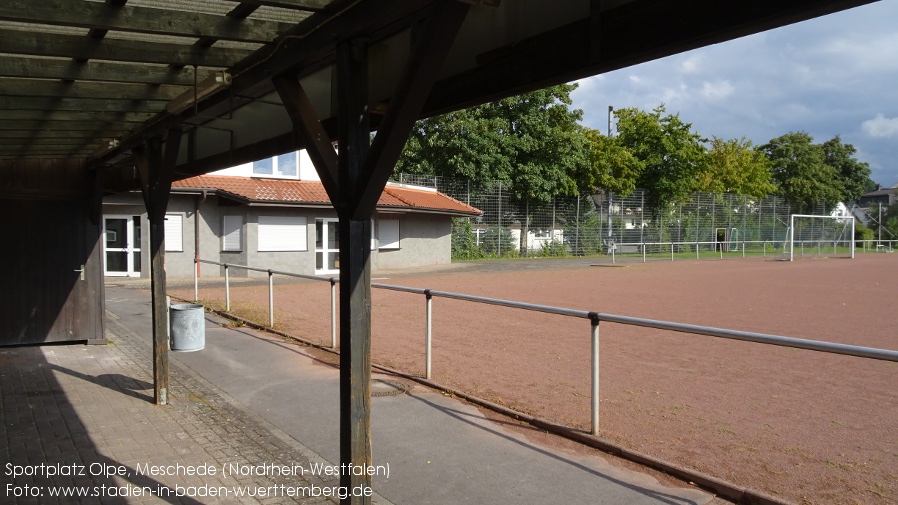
643, 252
594, 320
428, 332
196, 281
743, 248
613, 247
671, 251
333, 313
270, 299
227, 290
764, 248
696, 249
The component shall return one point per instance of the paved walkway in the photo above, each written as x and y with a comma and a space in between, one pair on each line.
79, 419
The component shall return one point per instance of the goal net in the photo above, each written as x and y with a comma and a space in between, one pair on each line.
820, 236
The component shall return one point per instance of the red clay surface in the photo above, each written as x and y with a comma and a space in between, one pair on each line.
802, 425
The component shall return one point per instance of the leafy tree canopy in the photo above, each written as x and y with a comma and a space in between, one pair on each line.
610, 167
735, 166
853, 174
800, 170
533, 142
671, 154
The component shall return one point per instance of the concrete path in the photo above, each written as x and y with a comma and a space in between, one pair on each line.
438, 450
79, 426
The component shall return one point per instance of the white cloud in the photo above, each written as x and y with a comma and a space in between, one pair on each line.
832, 75
691, 65
717, 90
881, 126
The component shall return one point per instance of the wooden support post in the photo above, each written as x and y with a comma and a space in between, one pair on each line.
354, 180
355, 271
156, 170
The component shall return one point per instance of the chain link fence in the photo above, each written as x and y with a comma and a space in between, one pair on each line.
606, 223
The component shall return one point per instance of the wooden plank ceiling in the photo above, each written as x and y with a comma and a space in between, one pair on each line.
92, 78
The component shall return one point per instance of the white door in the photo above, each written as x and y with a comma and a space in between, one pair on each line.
327, 246
121, 246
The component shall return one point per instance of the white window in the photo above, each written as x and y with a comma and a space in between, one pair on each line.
287, 164
232, 233
388, 233
263, 167
282, 233
174, 232
283, 166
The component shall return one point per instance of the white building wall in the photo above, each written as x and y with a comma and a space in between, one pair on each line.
305, 170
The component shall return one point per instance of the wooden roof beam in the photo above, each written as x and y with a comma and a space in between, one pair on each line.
64, 116
101, 131
120, 91
110, 17
298, 5
80, 104
96, 71
132, 51
57, 126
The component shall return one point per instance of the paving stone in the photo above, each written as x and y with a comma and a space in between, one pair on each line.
73, 405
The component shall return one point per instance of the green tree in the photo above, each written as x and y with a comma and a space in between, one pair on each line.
533, 143
735, 166
853, 174
672, 156
609, 166
802, 176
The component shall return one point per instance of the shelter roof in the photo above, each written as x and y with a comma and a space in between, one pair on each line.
94, 80
311, 193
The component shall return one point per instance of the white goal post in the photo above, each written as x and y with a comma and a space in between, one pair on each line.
821, 240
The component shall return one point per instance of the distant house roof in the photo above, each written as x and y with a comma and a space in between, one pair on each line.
880, 192
251, 190
887, 196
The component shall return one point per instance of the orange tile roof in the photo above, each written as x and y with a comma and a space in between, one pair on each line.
252, 189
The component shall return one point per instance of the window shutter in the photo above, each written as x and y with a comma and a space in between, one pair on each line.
233, 233
282, 233
388, 233
174, 232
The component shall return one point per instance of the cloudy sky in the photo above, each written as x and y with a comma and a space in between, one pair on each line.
835, 75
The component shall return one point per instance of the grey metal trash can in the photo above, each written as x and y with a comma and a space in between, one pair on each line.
188, 327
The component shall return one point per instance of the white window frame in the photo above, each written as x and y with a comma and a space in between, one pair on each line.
236, 228
277, 165
271, 164
174, 238
283, 233
387, 238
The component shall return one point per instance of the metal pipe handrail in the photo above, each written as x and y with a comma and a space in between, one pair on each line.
594, 317
268, 270
764, 338
815, 345
271, 273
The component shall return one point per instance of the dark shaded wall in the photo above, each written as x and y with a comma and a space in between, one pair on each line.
51, 226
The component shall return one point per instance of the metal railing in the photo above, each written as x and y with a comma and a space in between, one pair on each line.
594, 319
763, 248
271, 273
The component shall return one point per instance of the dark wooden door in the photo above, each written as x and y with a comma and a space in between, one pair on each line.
52, 282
